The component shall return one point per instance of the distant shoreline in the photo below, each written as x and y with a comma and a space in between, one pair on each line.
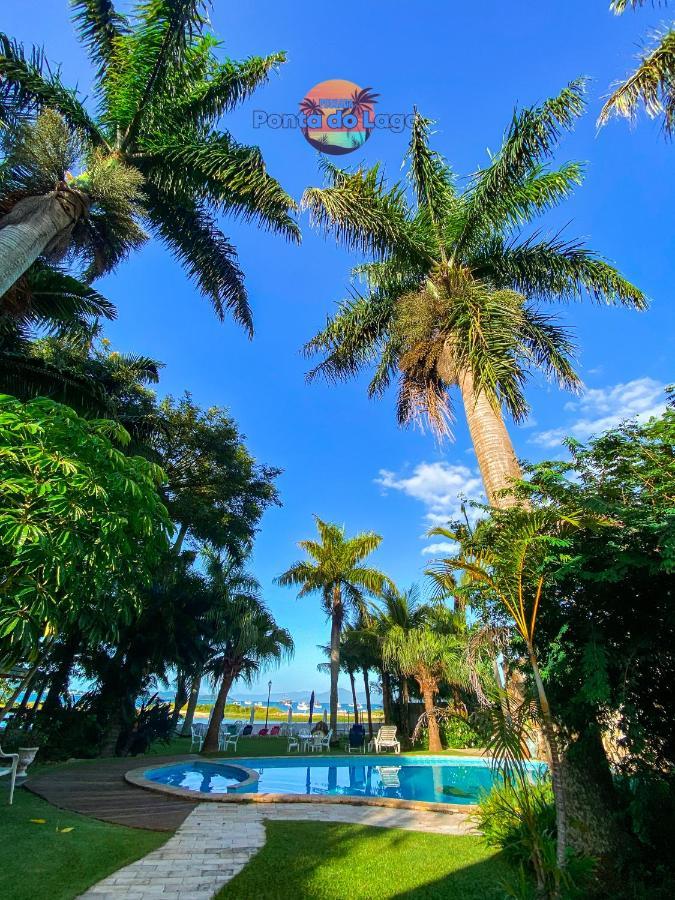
233, 710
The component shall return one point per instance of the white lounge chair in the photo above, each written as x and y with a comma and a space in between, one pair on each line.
389, 776
9, 770
198, 733
385, 739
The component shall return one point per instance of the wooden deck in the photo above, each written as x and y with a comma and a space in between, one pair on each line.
98, 789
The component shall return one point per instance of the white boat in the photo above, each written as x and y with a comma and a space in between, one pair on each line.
303, 707
247, 702
317, 706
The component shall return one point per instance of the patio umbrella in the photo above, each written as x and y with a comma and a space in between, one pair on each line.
252, 716
311, 707
325, 716
290, 717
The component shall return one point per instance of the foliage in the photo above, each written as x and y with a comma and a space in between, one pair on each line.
454, 286
161, 88
457, 733
651, 85
82, 525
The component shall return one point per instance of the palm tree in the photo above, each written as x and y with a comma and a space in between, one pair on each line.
245, 638
651, 85
335, 570
503, 562
160, 92
453, 287
349, 660
431, 652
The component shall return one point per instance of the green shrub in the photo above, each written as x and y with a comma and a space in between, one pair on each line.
457, 733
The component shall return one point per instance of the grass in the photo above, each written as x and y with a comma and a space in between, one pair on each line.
321, 861
40, 859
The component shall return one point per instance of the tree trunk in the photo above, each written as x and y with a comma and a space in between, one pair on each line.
554, 762
192, 706
178, 544
211, 740
494, 451
335, 630
61, 678
33, 226
386, 697
354, 700
435, 745
366, 688
405, 705
179, 699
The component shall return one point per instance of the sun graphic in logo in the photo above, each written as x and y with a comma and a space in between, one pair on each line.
338, 116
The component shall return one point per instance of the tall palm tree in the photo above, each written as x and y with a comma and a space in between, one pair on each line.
335, 570
245, 639
431, 652
453, 286
651, 85
160, 91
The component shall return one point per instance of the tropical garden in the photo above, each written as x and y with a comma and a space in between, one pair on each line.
545, 628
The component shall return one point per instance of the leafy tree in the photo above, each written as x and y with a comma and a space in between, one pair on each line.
454, 285
215, 490
335, 570
651, 85
82, 525
160, 92
245, 639
432, 651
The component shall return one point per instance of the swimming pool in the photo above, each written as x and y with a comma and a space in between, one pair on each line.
430, 779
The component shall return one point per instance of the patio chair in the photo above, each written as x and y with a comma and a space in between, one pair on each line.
197, 736
9, 770
248, 729
356, 740
320, 741
263, 732
385, 739
228, 739
389, 776
293, 743
275, 731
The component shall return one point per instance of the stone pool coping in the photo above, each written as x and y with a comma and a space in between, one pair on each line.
137, 778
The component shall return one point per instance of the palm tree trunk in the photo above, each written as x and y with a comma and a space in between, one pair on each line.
32, 225
554, 761
366, 688
192, 706
354, 700
435, 745
405, 704
386, 697
179, 699
494, 451
335, 629
211, 740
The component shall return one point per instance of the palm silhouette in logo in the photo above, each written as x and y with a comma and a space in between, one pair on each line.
310, 107
362, 100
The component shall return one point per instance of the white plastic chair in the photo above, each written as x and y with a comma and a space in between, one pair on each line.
321, 742
198, 732
293, 742
229, 738
9, 770
385, 739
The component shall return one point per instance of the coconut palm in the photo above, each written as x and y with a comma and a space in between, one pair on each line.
160, 91
335, 570
431, 652
651, 85
244, 639
453, 287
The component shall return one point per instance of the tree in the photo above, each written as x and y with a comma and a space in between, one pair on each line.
432, 651
453, 287
651, 85
215, 491
504, 564
335, 570
245, 639
82, 526
160, 92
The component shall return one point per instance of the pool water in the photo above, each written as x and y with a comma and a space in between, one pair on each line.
436, 779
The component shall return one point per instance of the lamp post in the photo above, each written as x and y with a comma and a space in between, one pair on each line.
269, 691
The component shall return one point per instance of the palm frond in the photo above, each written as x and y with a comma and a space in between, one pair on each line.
99, 25
651, 85
29, 84
191, 233
429, 173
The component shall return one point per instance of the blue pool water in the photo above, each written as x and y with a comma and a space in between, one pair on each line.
439, 779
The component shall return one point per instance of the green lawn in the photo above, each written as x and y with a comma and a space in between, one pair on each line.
40, 862
320, 861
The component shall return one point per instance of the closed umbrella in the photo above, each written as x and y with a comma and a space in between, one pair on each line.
252, 717
290, 718
311, 707
325, 716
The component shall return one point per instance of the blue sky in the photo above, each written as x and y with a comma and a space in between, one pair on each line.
343, 456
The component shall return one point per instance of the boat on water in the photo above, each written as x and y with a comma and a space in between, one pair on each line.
318, 706
303, 707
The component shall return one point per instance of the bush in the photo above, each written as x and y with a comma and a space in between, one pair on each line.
456, 733
519, 819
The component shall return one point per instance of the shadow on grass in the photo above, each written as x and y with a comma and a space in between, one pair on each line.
329, 861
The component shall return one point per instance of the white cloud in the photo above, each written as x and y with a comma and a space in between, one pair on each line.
445, 547
440, 487
600, 409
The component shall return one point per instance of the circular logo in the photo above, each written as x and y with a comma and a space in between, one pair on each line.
338, 116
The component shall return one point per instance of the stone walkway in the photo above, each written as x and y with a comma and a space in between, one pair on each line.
217, 840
